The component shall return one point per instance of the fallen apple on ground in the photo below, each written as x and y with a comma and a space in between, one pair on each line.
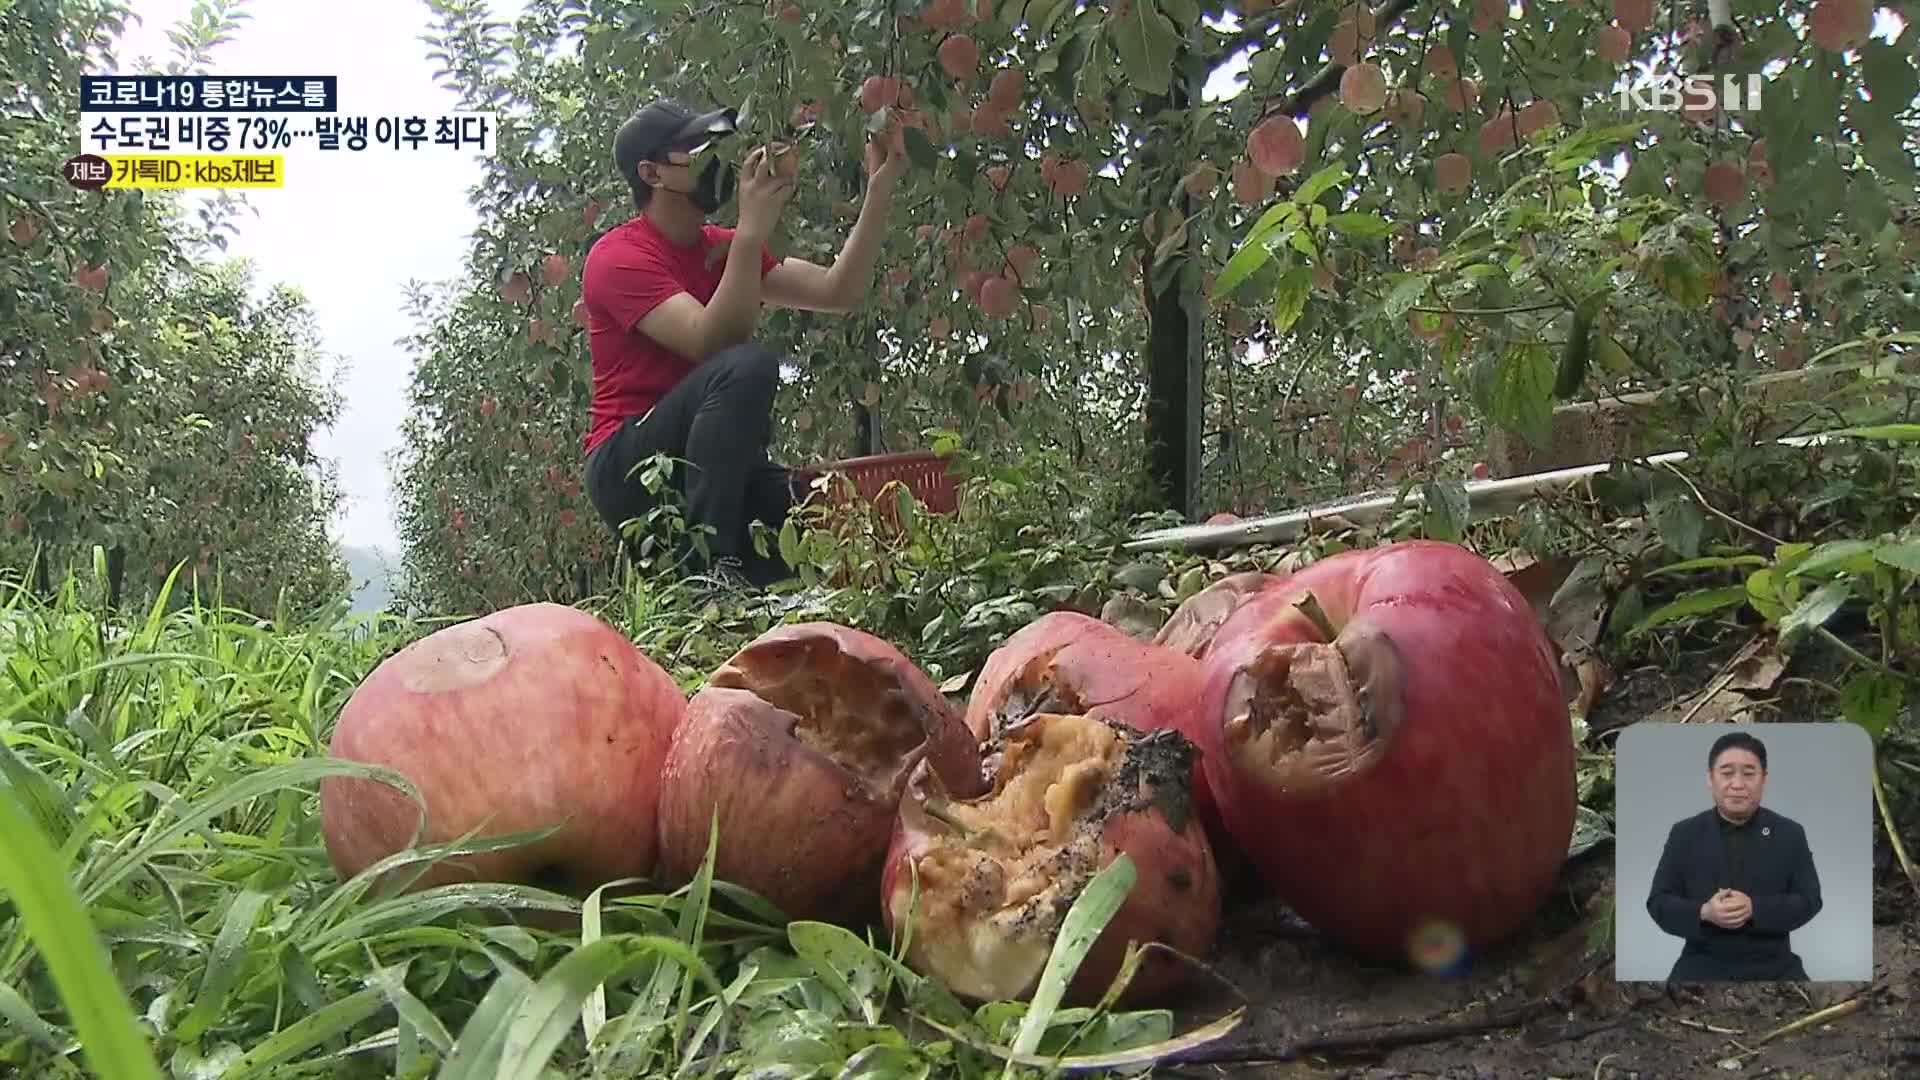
802, 743
1394, 756
1066, 662
979, 885
533, 716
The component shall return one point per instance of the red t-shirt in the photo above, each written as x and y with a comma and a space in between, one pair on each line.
629, 272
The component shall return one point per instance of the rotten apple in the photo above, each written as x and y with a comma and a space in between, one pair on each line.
1387, 741
533, 716
978, 885
1066, 662
801, 744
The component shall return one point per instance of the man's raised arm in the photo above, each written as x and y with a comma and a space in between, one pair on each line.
698, 331
842, 287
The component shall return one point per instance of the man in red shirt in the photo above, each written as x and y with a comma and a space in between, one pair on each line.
672, 303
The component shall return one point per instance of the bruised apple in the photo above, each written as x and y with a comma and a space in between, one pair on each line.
979, 885
1066, 662
533, 716
802, 743
1393, 754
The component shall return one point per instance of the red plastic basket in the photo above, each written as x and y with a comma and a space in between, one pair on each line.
924, 473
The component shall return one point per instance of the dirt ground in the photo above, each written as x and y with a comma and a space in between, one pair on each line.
1302, 991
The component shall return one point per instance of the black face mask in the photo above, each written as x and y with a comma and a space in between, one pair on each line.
715, 186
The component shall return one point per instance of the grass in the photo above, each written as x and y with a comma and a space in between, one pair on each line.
169, 908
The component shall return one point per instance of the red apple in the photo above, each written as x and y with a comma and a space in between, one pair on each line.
1401, 776
959, 56
533, 716
999, 296
985, 881
802, 743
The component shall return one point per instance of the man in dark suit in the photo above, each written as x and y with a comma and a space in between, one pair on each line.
1734, 881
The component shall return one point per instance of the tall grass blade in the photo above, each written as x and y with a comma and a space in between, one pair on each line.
1089, 915
56, 920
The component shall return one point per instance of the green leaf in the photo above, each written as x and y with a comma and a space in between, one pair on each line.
845, 965
1681, 525
1708, 562
1319, 183
1890, 78
1089, 915
1147, 41
1042, 14
1290, 297
1887, 432
1819, 93
1273, 220
1361, 226
921, 150
1245, 263
1814, 610
1611, 356
1407, 291
224, 963
1836, 557
1873, 700
1523, 392
1901, 556
1692, 605
548, 1008
1183, 12
1765, 595
789, 543
34, 880
1445, 510
310, 1031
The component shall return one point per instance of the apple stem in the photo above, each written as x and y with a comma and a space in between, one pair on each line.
1311, 608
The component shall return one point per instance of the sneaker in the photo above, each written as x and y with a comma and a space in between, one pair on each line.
726, 577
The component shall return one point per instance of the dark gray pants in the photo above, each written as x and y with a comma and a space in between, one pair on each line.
718, 420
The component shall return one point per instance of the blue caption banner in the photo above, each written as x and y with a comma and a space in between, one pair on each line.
209, 93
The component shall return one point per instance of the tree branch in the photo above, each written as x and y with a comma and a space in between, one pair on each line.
1327, 80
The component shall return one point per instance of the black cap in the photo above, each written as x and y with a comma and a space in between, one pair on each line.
662, 126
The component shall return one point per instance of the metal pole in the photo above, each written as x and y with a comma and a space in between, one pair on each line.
1503, 495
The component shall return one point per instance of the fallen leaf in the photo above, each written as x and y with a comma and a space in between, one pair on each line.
1130, 614
1757, 666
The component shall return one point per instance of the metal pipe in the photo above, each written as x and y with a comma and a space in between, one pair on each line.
1505, 494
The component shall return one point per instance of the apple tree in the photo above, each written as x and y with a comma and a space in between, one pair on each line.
1402, 227
150, 405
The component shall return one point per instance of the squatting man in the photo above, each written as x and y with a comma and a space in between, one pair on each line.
673, 302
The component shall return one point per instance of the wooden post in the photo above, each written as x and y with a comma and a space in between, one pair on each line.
1176, 341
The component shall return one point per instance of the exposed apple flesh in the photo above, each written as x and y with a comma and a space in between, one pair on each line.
1066, 662
802, 742
533, 716
1405, 782
986, 881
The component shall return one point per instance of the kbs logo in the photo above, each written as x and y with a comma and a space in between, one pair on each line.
1672, 93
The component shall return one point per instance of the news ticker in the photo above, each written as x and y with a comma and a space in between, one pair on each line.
200, 131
